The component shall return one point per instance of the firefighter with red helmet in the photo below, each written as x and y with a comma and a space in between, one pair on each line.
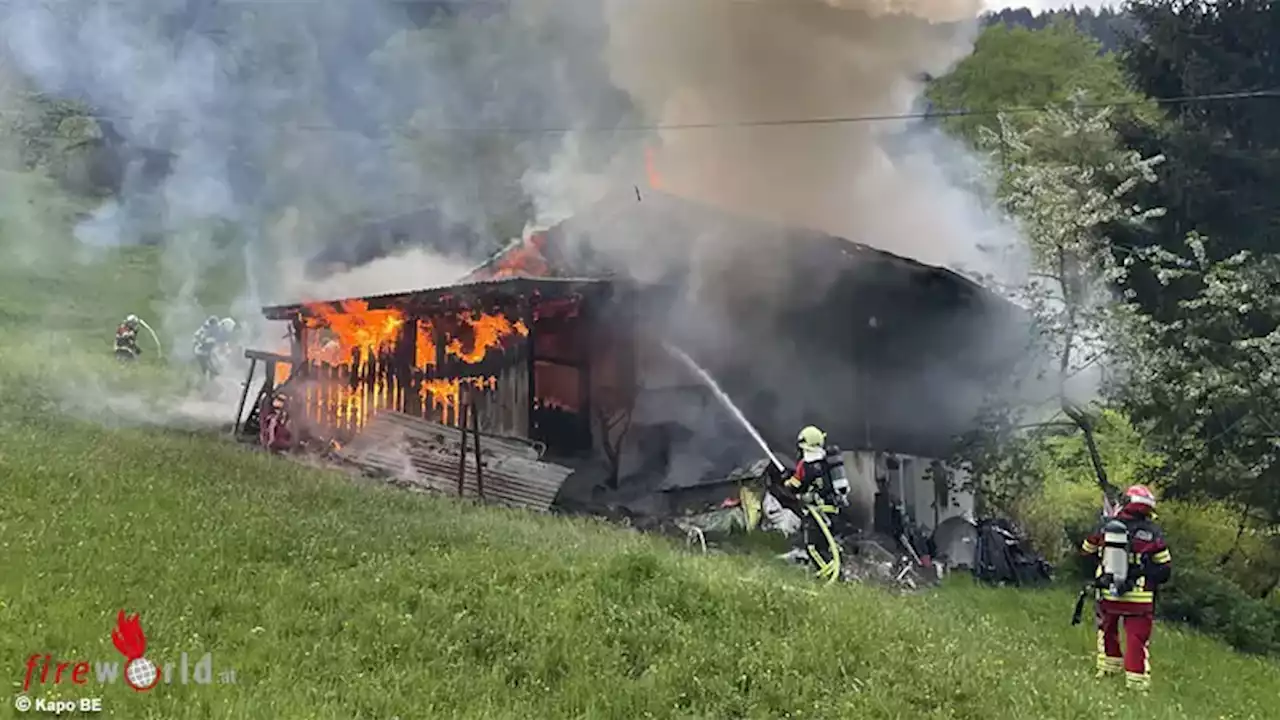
1132, 561
127, 338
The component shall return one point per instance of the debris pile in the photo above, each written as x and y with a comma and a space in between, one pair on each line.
418, 453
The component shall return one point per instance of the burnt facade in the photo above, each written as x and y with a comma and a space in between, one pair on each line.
524, 355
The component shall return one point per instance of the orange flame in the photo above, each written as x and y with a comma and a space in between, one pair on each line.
352, 327
445, 394
338, 336
487, 331
524, 260
425, 350
651, 170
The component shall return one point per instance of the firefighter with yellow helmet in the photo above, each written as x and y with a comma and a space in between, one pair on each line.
821, 485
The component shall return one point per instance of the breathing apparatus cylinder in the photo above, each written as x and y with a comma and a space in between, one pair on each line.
839, 478
1115, 552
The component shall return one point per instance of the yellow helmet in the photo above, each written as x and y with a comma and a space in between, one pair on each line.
811, 437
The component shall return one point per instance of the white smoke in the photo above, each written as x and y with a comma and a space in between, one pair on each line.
723, 79
252, 138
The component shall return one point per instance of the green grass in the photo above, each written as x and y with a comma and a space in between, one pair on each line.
338, 599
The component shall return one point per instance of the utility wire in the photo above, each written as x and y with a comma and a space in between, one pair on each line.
742, 124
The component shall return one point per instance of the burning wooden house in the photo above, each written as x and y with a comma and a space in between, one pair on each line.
515, 351
560, 339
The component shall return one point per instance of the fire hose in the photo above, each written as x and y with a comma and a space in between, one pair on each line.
159, 349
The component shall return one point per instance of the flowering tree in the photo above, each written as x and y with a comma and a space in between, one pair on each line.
1065, 180
1205, 388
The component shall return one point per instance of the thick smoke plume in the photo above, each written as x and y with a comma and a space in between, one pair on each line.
255, 142
797, 112
730, 64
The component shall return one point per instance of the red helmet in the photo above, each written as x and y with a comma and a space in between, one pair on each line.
1138, 499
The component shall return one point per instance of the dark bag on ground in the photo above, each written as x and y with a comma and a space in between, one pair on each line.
1002, 557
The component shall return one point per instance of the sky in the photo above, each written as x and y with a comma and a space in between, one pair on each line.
1038, 5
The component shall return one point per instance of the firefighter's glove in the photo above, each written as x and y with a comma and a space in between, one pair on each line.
774, 473
1104, 581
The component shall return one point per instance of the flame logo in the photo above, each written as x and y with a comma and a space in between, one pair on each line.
139, 673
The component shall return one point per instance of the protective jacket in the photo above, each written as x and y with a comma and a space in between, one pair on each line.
1150, 564
811, 478
204, 340
127, 339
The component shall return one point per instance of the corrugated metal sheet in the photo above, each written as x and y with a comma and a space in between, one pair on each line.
425, 454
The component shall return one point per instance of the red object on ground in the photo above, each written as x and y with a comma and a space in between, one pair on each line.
274, 433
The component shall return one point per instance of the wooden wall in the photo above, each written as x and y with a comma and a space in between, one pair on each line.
339, 400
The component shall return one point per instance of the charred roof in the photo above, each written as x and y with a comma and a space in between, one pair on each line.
478, 294
799, 326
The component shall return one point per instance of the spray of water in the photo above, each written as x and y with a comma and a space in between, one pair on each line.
724, 399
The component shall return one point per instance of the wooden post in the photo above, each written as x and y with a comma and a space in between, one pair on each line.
462, 445
244, 395
369, 380
475, 434
587, 335
439, 410
408, 379
529, 314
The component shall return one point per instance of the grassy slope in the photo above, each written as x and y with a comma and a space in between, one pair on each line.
337, 600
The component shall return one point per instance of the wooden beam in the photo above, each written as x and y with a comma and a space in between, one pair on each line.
475, 433
268, 357
492, 364
462, 443
244, 393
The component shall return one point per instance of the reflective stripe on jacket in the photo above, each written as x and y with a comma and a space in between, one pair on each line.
1146, 540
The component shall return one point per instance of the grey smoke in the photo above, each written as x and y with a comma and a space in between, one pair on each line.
332, 110
253, 136
897, 185
259, 130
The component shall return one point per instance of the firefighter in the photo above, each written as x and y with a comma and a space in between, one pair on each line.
811, 481
127, 338
205, 343
1144, 561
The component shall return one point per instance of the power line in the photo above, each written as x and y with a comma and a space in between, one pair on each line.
744, 124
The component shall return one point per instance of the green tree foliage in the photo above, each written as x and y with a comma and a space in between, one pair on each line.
1058, 182
1065, 505
1013, 67
1205, 387
54, 137
1223, 156
1108, 26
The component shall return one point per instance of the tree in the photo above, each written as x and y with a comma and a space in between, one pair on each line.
1224, 154
1107, 26
1013, 67
1064, 180
1206, 390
